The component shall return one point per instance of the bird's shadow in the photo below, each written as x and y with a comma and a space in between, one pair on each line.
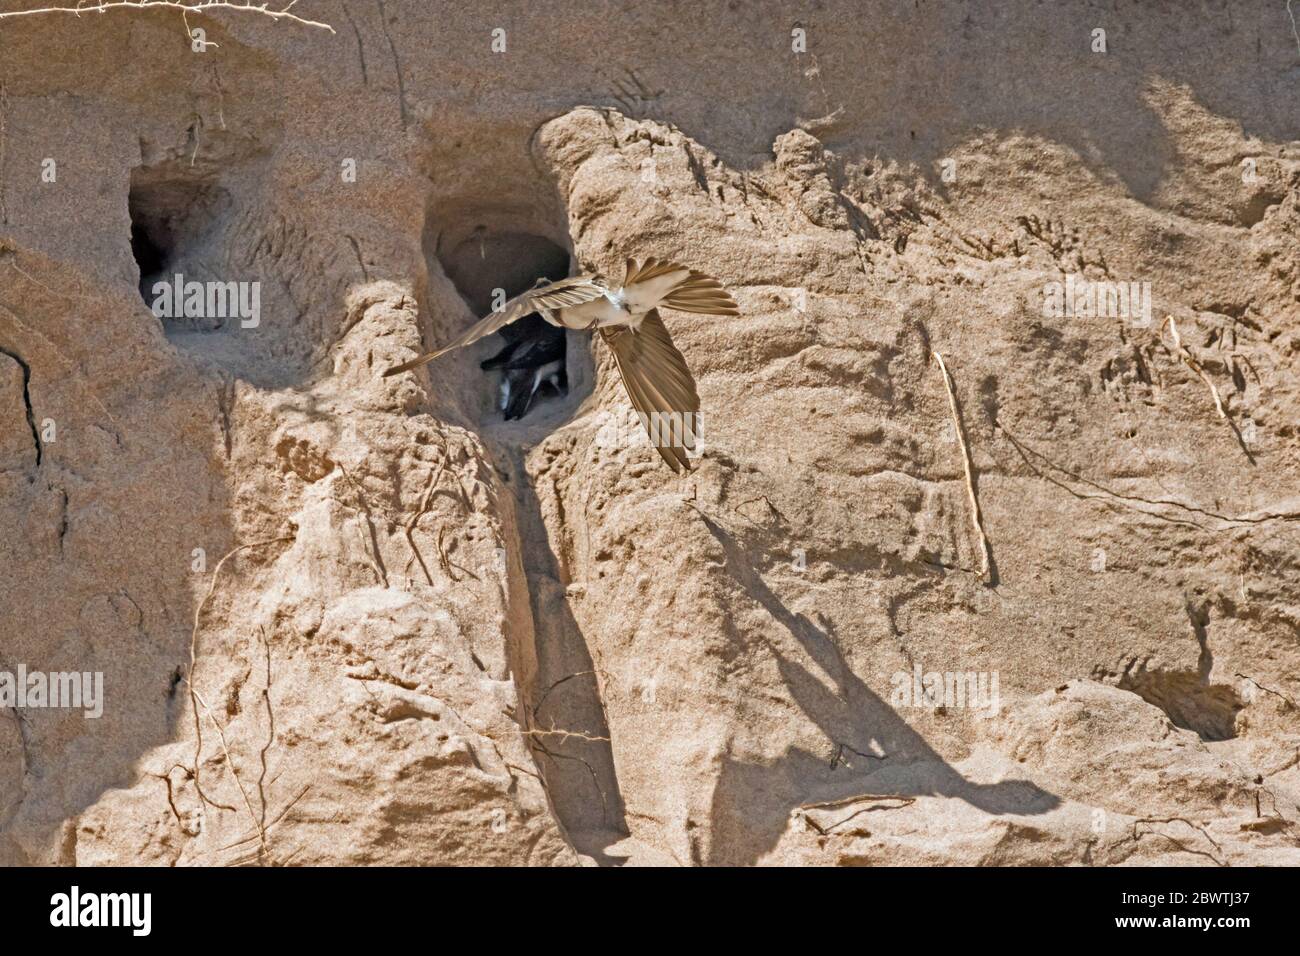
753, 801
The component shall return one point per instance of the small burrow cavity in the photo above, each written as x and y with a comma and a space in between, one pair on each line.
176, 216
233, 279
529, 361
487, 253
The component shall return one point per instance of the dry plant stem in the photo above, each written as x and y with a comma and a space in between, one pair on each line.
199, 6
537, 738
595, 780
1133, 501
377, 560
448, 564
171, 799
234, 771
563, 734
4, 109
849, 801
424, 509
278, 817
442, 557
270, 739
1194, 365
1181, 351
195, 700
547, 692
1198, 827
203, 797
977, 519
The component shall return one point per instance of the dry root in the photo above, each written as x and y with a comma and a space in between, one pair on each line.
1190, 361
282, 12
977, 519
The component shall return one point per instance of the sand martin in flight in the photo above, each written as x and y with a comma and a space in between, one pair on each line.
654, 372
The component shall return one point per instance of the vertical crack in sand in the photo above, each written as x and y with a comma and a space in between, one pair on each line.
27, 399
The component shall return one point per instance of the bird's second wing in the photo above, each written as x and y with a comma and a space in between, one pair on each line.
557, 295
653, 284
660, 387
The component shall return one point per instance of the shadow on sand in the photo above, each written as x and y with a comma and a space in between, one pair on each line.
752, 802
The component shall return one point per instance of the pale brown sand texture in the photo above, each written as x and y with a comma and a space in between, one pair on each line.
530, 642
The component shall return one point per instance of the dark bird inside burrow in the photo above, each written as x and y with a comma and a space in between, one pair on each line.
530, 362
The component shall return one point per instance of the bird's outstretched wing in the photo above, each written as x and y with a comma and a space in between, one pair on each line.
654, 283
557, 295
660, 386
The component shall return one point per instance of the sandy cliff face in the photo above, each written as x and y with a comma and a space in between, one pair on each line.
348, 619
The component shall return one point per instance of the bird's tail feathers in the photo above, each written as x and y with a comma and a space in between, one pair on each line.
701, 293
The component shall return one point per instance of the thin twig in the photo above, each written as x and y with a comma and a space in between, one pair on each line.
203, 797
564, 679
802, 810
536, 737
270, 738
234, 771
1133, 501
986, 557
1199, 828
200, 6
195, 699
595, 779
378, 560
1181, 351
563, 734
1295, 33
448, 564
424, 509
772, 509
278, 817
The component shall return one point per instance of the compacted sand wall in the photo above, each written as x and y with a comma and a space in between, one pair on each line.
349, 619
